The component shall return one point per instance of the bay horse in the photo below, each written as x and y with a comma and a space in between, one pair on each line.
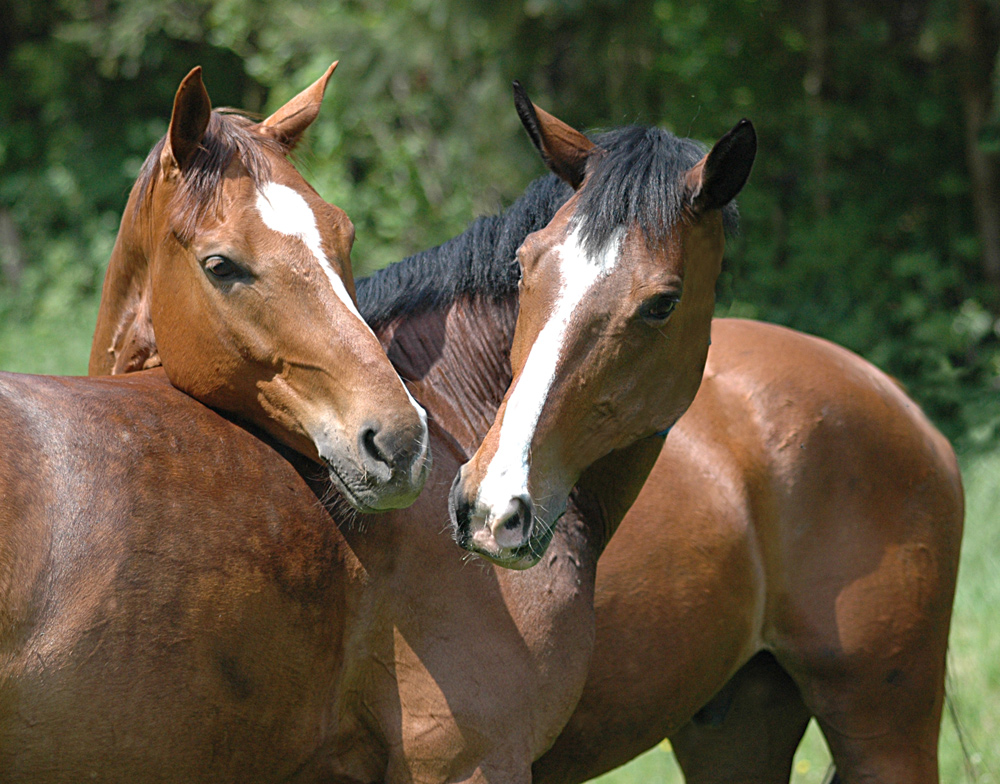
224, 254
793, 553
183, 601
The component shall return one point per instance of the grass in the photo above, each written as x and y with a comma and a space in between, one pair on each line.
974, 660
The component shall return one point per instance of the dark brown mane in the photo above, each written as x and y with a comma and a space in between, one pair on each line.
229, 134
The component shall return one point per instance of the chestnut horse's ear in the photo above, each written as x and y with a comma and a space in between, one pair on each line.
192, 110
290, 121
564, 149
715, 180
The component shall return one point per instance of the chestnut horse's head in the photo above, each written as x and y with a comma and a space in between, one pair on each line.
233, 274
616, 300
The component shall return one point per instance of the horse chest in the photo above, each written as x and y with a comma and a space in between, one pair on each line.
460, 662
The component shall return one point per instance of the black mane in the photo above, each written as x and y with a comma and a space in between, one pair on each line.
480, 261
637, 180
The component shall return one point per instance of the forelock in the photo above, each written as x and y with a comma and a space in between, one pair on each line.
229, 135
638, 179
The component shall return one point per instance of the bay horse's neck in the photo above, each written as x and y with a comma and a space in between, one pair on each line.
446, 315
458, 362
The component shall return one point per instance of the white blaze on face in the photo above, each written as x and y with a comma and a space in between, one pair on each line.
507, 474
285, 211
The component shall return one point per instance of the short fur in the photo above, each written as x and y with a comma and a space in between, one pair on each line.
229, 135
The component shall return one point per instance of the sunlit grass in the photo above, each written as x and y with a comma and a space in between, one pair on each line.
54, 346
974, 660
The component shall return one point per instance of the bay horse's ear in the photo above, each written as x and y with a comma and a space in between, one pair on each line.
290, 121
192, 110
715, 180
564, 149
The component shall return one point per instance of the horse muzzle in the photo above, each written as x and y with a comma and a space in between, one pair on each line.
508, 537
385, 468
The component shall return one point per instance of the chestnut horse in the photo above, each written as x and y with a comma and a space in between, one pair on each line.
162, 623
142, 590
223, 254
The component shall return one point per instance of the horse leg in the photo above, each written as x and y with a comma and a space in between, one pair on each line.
748, 732
881, 724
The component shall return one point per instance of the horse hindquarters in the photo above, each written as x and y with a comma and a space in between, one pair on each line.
860, 555
867, 646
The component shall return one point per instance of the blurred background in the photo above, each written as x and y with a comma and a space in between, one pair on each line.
872, 216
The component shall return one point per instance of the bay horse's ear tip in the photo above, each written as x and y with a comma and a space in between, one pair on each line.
746, 128
193, 77
521, 99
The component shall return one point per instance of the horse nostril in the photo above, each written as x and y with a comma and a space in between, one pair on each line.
513, 527
374, 456
513, 519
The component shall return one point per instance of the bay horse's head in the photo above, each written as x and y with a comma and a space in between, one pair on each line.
233, 274
616, 300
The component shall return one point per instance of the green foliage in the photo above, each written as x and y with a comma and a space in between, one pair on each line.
857, 222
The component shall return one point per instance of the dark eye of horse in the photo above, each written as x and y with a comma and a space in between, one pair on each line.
223, 270
657, 310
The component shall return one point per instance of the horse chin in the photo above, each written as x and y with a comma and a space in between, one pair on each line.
367, 499
518, 558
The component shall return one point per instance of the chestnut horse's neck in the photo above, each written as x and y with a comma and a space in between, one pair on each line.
446, 317
123, 338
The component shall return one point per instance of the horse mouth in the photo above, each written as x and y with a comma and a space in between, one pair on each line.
343, 487
367, 499
519, 558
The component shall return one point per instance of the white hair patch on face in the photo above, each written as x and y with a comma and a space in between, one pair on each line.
285, 211
507, 473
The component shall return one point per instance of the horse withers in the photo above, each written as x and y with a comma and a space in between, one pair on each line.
231, 273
